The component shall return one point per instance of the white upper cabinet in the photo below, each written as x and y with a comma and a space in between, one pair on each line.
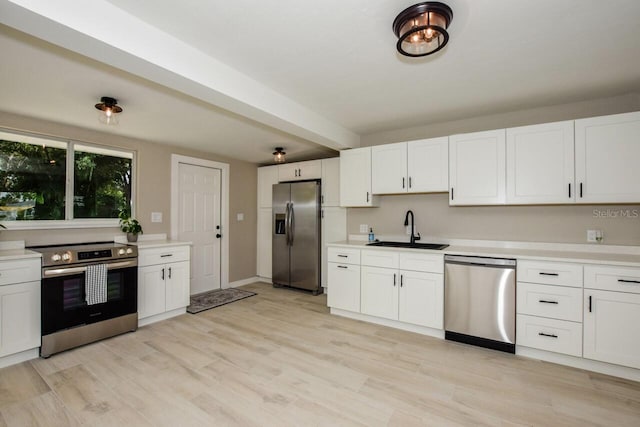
428, 165
477, 168
607, 154
540, 164
300, 171
410, 167
355, 178
389, 168
267, 176
331, 182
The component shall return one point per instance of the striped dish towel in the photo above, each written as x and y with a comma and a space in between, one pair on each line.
95, 284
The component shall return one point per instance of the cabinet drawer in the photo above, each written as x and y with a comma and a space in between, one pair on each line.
19, 271
429, 263
343, 255
550, 273
559, 336
610, 278
556, 302
383, 259
155, 256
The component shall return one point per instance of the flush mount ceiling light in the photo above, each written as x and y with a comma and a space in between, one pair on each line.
278, 155
422, 28
108, 109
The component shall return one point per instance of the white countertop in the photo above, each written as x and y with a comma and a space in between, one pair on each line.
152, 241
160, 243
607, 256
13, 254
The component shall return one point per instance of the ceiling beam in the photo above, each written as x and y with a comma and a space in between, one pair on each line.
99, 30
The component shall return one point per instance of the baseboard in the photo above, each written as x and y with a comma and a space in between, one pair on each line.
23, 356
162, 316
243, 282
423, 330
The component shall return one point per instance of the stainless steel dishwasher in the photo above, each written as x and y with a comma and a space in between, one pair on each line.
480, 301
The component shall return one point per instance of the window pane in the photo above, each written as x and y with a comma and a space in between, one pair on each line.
102, 180
32, 178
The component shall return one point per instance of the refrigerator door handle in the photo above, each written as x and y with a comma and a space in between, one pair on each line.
292, 224
287, 233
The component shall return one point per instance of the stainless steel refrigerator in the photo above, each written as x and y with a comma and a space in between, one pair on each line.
296, 235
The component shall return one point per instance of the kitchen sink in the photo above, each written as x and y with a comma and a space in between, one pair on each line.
433, 246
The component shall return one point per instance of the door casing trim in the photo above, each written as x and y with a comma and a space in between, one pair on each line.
176, 160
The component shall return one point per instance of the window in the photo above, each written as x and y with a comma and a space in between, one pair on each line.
44, 179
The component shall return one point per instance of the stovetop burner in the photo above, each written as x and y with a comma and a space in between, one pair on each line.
75, 253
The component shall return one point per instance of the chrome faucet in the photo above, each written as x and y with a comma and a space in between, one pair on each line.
406, 222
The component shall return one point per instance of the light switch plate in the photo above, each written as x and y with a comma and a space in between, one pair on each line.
156, 216
594, 236
364, 228
240, 216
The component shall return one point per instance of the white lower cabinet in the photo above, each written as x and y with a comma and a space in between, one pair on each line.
549, 306
344, 291
612, 315
19, 306
19, 317
379, 292
421, 298
163, 286
559, 336
408, 296
343, 278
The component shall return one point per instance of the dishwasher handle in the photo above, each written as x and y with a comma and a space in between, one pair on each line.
476, 260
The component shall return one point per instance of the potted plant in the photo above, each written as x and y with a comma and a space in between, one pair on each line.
131, 226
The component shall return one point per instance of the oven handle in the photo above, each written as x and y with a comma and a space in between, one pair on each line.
66, 271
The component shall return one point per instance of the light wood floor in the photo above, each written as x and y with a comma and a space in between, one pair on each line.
280, 359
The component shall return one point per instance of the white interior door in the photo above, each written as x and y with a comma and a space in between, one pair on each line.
199, 211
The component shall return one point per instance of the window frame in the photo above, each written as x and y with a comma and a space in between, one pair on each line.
70, 221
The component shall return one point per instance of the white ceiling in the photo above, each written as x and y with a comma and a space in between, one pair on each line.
314, 72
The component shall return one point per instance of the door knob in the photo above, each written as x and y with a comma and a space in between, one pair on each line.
218, 236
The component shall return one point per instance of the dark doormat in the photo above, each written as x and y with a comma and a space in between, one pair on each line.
212, 299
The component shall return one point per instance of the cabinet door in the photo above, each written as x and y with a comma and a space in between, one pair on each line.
428, 165
299, 171
607, 153
355, 178
612, 327
389, 168
331, 182
477, 168
177, 285
311, 169
263, 267
379, 287
19, 317
540, 164
267, 176
344, 286
421, 298
334, 229
288, 172
151, 290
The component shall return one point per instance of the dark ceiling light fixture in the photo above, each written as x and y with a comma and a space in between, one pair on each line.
422, 28
278, 155
108, 109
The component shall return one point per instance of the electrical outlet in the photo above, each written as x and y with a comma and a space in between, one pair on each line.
364, 228
594, 236
156, 216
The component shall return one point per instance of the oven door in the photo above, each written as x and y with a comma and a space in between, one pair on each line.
64, 302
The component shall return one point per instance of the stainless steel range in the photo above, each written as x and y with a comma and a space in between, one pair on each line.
89, 292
